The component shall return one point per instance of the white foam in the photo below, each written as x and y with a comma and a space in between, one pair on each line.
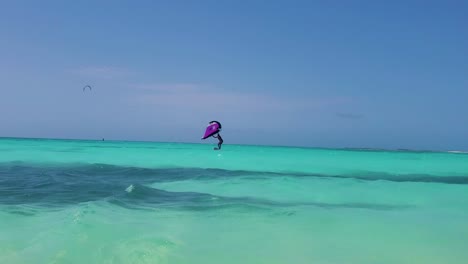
130, 188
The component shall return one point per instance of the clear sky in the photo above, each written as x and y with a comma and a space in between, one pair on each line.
382, 74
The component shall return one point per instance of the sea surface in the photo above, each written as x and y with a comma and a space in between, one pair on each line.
69, 201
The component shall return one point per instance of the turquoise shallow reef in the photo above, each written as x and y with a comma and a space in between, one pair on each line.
70, 201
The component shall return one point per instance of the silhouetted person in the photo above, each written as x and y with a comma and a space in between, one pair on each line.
220, 140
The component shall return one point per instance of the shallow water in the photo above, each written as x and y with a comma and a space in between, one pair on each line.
68, 201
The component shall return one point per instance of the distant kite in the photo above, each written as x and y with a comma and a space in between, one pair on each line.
87, 86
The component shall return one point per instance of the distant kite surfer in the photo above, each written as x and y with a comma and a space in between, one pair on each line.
213, 130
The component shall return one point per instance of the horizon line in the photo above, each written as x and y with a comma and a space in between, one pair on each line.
247, 145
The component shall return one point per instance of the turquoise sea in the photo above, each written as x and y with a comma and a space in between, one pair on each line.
69, 201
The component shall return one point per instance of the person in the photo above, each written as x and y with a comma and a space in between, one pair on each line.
220, 140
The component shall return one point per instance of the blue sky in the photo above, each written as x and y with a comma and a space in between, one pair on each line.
384, 74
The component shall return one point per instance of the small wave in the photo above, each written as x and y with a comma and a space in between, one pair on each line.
130, 188
457, 152
147, 197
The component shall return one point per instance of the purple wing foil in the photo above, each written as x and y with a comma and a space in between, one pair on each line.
211, 129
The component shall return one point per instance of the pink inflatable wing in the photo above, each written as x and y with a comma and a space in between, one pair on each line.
211, 129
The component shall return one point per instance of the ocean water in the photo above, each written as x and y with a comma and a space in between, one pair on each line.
66, 201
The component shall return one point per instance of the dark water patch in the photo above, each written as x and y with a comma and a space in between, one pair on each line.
58, 186
90, 181
364, 176
421, 178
